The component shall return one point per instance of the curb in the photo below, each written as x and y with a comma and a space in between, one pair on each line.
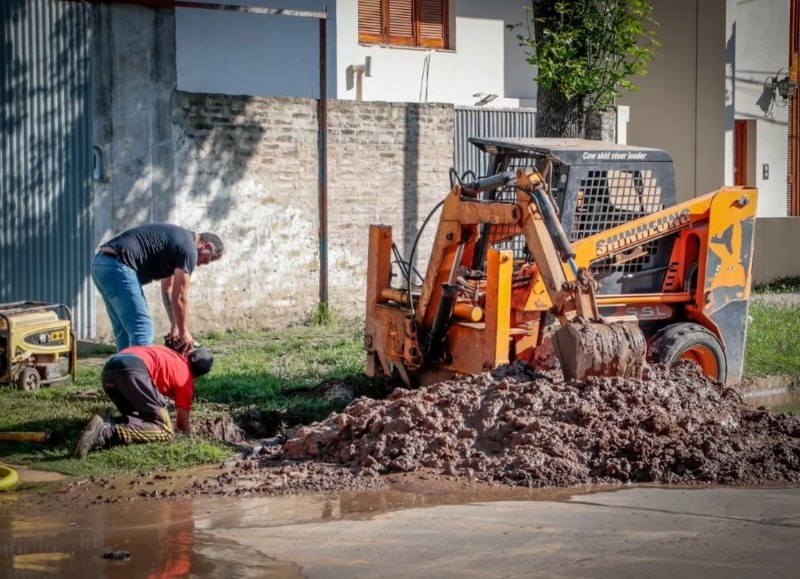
766, 390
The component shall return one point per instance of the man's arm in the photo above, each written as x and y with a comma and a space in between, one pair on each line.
179, 298
166, 299
182, 417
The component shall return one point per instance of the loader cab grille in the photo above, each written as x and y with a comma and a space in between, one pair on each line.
608, 198
594, 188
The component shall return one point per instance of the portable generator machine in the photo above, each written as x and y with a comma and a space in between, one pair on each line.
37, 344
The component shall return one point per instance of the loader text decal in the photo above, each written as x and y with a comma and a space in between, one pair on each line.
643, 232
615, 156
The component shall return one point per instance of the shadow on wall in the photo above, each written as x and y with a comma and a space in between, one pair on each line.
219, 138
140, 124
45, 220
411, 185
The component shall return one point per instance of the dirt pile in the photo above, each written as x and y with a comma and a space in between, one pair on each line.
517, 426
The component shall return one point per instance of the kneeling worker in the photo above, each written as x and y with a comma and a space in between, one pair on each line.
137, 379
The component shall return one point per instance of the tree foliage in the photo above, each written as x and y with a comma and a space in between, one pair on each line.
588, 49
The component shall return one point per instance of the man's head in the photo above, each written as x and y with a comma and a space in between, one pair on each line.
209, 248
200, 362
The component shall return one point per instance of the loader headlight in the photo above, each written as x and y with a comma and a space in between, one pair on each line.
44, 338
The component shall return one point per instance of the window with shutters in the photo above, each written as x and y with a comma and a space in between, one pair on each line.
403, 22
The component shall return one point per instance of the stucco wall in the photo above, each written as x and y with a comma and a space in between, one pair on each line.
774, 255
680, 107
758, 39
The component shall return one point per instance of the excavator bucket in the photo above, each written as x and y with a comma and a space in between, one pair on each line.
587, 348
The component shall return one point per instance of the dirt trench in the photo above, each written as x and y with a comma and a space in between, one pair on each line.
516, 426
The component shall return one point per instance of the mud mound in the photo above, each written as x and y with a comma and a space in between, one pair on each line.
519, 427
218, 426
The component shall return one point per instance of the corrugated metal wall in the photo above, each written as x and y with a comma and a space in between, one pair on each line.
483, 122
46, 229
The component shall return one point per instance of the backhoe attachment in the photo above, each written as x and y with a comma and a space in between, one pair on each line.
584, 345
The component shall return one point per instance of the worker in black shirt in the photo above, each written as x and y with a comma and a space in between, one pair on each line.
156, 251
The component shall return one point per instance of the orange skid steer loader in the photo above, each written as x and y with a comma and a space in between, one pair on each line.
572, 250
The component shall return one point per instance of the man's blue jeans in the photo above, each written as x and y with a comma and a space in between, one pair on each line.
125, 301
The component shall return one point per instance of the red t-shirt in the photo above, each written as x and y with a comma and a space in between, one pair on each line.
170, 372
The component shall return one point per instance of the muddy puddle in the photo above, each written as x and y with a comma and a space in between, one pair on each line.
158, 538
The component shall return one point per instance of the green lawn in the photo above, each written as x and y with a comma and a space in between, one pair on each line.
773, 346
273, 375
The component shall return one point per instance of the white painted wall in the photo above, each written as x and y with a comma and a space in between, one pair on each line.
758, 37
484, 57
232, 53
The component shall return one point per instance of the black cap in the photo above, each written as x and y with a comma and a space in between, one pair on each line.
200, 362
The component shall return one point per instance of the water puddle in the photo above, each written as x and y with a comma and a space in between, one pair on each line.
166, 538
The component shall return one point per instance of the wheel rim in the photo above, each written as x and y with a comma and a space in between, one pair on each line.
29, 381
705, 358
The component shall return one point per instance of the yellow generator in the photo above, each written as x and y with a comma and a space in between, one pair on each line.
37, 344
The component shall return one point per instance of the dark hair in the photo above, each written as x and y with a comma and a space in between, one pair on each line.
216, 244
200, 362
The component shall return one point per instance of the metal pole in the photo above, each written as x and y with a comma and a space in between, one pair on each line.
323, 160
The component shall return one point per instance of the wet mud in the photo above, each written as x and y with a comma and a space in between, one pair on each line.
519, 427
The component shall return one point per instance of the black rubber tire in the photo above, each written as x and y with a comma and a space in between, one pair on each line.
670, 343
28, 380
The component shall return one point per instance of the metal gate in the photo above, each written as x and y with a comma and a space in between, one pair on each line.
46, 226
487, 123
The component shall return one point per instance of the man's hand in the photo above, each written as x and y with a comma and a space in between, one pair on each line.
185, 343
182, 343
182, 420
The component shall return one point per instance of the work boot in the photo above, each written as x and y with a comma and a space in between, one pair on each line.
92, 436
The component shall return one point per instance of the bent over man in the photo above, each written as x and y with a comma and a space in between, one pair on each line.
137, 380
134, 258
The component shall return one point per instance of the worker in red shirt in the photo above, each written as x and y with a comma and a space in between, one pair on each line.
139, 380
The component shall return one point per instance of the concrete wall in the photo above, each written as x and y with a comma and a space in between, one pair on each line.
249, 54
133, 69
758, 41
680, 106
133, 73
774, 254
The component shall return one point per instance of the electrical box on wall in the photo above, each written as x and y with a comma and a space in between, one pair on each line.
765, 171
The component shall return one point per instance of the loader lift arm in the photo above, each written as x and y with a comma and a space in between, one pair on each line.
592, 349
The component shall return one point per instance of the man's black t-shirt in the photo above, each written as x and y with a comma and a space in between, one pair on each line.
156, 250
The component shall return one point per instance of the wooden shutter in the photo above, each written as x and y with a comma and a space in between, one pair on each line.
432, 22
401, 22
404, 22
370, 21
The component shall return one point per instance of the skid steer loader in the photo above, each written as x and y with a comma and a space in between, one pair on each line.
571, 250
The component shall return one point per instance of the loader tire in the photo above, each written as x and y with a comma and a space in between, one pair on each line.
28, 380
687, 341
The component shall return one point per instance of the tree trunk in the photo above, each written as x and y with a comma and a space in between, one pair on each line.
557, 116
